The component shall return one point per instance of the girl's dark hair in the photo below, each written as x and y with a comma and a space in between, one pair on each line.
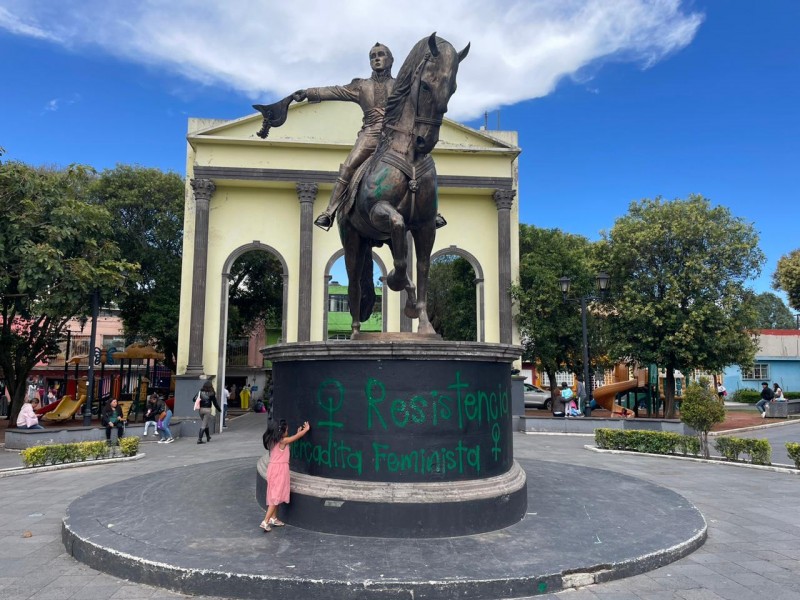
274, 433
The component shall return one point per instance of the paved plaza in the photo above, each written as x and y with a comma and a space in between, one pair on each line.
752, 551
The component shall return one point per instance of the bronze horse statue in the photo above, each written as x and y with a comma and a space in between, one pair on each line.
395, 192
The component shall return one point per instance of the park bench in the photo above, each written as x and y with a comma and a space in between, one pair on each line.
782, 410
19, 439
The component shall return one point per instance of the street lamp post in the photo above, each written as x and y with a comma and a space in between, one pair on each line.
602, 280
87, 407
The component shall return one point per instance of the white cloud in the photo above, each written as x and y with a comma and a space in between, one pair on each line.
265, 49
15, 25
57, 103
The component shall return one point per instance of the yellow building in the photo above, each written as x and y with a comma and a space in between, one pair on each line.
244, 193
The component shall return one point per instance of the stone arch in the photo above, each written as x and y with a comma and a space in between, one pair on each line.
223, 306
326, 281
480, 305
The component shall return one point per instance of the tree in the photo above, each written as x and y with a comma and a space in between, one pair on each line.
787, 277
148, 227
256, 293
701, 409
772, 313
550, 328
678, 279
451, 298
55, 250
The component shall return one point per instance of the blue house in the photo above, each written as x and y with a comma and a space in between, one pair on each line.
777, 361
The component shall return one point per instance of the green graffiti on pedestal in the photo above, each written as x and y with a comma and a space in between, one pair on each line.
457, 406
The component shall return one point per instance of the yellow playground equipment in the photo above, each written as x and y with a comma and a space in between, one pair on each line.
65, 410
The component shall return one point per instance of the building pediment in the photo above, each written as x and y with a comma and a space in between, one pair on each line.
334, 124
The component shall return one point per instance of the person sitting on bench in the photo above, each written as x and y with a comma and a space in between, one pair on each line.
112, 417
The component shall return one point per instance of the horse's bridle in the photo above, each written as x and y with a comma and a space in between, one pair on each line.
437, 121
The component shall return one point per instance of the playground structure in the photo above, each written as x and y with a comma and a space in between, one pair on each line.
137, 375
627, 397
65, 410
606, 395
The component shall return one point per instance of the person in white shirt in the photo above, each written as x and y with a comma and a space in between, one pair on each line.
225, 395
27, 419
721, 391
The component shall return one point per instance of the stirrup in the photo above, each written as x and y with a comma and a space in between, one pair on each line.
324, 221
440, 221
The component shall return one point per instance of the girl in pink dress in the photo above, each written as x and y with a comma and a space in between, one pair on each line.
277, 442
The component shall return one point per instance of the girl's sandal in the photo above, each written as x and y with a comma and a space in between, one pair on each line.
265, 526
275, 523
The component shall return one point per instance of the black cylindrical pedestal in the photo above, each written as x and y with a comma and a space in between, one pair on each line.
408, 438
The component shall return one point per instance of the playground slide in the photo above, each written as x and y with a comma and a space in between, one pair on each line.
46, 409
65, 410
605, 394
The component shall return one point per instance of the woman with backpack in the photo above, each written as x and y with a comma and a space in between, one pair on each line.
206, 398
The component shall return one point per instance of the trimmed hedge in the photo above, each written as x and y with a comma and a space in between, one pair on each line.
753, 396
745, 396
758, 451
651, 442
129, 446
55, 454
794, 452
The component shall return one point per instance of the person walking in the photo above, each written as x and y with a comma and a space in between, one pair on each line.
164, 416
225, 397
767, 396
581, 393
277, 442
112, 417
208, 398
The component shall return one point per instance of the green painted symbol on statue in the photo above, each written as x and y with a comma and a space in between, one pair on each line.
496, 440
380, 185
330, 408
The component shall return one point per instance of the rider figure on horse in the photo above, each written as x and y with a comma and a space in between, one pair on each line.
371, 95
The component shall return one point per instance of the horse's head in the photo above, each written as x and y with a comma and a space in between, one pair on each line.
434, 84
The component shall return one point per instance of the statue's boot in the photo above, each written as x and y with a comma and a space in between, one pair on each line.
325, 220
440, 222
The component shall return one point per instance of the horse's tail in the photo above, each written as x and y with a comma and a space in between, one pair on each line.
367, 286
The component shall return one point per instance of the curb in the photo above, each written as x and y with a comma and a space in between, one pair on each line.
32, 470
753, 428
778, 468
556, 433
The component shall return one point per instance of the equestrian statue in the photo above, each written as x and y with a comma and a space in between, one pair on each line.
387, 185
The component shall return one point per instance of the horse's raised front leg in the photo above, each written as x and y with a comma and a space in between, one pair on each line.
385, 217
424, 238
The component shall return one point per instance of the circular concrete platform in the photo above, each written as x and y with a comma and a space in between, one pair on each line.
195, 530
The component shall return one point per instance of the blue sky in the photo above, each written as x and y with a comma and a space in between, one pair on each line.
614, 101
